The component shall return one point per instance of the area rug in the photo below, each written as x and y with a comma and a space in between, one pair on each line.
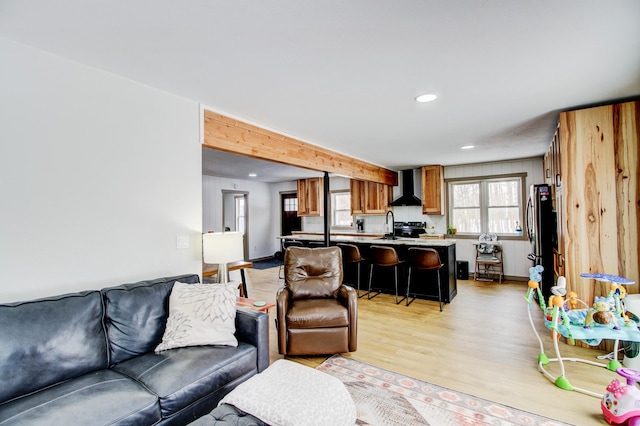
383, 398
270, 262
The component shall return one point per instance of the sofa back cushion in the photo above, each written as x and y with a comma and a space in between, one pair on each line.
46, 341
313, 273
136, 315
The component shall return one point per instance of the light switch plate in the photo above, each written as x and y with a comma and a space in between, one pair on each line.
182, 242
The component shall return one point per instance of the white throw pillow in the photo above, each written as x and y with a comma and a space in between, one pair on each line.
200, 314
290, 394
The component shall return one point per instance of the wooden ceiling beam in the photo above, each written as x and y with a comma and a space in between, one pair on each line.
234, 136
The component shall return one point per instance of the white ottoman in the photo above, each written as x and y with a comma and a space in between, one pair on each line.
290, 394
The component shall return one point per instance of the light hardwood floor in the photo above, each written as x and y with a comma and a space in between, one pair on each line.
481, 344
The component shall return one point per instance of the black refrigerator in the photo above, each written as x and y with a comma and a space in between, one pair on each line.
542, 230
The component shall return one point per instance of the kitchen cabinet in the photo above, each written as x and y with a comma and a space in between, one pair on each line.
433, 189
357, 188
369, 198
595, 173
310, 197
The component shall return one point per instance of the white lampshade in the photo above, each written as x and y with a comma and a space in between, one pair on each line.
221, 248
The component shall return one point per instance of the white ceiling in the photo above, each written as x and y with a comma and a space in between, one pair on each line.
344, 74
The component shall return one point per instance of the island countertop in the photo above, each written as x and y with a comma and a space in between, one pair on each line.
399, 241
446, 250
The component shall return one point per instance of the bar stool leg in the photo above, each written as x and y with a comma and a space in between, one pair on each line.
396, 270
358, 279
369, 296
408, 286
439, 290
395, 280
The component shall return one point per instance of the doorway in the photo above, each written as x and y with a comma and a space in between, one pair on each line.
289, 208
235, 215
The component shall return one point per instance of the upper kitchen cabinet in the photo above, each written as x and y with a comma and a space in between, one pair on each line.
357, 188
369, 198
310, 197
432, 189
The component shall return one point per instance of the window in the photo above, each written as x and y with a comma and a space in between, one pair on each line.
240, 219
478, 206
341, 209
291, 204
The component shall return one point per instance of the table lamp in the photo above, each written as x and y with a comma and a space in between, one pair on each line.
221, 248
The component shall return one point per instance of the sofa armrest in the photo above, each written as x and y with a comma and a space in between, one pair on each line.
253, 327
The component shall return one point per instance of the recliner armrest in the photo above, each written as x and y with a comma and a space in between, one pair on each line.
348, 296
282, 302
253, 327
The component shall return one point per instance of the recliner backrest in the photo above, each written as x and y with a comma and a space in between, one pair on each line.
313, 273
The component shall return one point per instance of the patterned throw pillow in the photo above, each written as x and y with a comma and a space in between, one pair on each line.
200, 314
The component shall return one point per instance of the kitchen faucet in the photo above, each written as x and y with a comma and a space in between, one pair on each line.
393, 221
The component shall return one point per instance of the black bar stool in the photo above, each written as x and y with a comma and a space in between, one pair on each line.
385, 257
424, 259
351, 256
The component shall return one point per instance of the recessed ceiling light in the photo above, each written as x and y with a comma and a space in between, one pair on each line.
252, 175
467, 147
426, 98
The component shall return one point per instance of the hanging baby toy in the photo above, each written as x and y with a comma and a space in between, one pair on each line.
602, 313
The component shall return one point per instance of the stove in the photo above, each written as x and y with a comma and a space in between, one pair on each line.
409, 229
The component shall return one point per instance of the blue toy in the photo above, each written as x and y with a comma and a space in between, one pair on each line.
563, 316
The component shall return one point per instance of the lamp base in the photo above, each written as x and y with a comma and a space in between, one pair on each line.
222, 277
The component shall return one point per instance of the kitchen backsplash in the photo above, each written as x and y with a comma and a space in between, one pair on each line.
376, 224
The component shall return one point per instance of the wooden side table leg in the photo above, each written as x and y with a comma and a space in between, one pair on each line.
243, 285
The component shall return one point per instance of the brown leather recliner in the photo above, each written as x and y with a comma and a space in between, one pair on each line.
316, 313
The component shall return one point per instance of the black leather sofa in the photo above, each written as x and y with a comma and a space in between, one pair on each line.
88, 358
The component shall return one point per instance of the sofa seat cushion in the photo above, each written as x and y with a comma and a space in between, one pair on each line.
317, 313
104, 397
183, 376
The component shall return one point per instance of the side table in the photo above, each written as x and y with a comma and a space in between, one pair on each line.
249, 303
209, 270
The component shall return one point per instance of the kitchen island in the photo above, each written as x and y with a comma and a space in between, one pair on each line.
383, 280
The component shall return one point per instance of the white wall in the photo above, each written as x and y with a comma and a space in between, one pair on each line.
262, 235
98, 177
514, 251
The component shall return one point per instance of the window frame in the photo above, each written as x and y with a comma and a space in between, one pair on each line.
333, 210
484, 202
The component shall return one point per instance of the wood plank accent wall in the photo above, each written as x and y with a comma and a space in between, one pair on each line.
230, 135
599, 156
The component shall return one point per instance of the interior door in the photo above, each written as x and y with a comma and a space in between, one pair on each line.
235, 215
290, 219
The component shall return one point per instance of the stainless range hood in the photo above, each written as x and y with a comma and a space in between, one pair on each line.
407, 198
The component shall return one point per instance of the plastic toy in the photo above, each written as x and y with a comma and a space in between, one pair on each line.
565, 318
621, 403
601, 314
